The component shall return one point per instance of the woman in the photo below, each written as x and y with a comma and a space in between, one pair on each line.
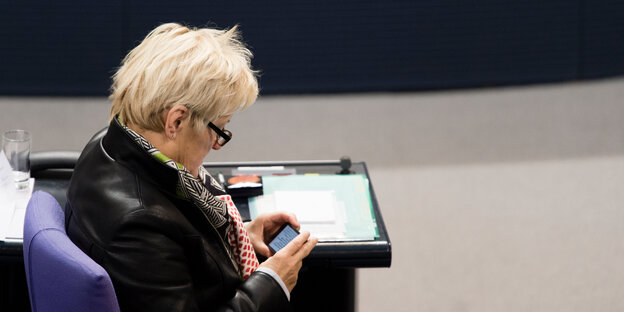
141, 204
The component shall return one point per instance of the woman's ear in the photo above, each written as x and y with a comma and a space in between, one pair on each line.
173, 120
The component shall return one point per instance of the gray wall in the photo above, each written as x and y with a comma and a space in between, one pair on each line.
504, 199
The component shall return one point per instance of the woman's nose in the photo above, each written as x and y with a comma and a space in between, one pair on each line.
216, 146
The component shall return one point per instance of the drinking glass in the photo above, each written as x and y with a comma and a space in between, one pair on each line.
16, 147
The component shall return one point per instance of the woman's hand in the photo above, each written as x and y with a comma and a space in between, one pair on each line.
287, 261
262, 228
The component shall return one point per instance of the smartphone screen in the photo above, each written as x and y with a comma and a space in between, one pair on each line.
283, 237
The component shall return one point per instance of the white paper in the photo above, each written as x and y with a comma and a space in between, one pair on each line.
325, 219
244, 184
263, 171
329, 231
308, 206
6, 173
15, 230
13, 212
7, 194
261, 204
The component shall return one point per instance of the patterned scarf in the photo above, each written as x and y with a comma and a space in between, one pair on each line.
219, 210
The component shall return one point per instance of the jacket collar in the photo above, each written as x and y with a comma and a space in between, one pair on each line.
119, 145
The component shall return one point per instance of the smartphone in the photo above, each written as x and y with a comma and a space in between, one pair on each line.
285, 234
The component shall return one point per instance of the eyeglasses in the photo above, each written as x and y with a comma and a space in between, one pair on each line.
224, 135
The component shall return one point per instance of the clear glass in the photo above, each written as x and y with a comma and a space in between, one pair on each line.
16, 147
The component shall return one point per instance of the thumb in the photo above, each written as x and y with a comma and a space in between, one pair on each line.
295, 244
263, 249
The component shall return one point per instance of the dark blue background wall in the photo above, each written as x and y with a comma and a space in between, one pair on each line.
70, 47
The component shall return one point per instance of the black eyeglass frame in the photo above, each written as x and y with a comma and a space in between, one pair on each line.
224, 135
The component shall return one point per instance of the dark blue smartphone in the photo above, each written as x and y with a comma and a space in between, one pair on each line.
285, 234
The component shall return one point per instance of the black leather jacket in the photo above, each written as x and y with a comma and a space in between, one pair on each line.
160, 251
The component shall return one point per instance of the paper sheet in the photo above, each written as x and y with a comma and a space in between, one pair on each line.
308, 206
6, 173
329, 231
351, 190
12, 203
7, 195
15, 228
331, 207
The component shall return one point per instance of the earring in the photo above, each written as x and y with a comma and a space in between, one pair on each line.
172, 136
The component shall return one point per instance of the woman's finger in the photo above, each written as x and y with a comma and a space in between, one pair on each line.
294, 245
263, 249
292, 219
284, 217
307, 247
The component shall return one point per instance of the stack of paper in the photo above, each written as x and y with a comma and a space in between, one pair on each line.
12, 215
12, 204
331, 207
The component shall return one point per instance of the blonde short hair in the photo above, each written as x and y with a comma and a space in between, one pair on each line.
206, 70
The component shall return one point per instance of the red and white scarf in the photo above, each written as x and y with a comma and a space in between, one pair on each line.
239, 241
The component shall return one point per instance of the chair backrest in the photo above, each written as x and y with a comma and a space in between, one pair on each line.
53, 169
60, 276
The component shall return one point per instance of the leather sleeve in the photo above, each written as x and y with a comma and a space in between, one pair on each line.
149, 259
260, 292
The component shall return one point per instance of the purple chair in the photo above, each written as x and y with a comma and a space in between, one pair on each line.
60, 276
